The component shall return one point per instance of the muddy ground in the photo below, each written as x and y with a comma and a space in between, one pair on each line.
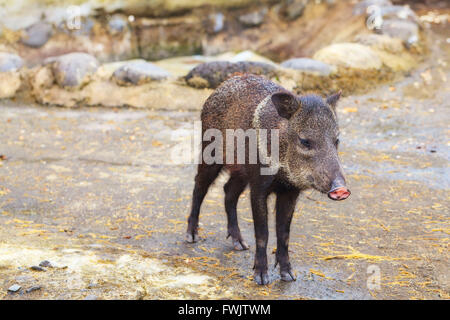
93, 191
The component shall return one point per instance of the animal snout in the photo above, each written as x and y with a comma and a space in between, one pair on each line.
338, 190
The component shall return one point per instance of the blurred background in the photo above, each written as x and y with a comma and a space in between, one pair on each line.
96, 97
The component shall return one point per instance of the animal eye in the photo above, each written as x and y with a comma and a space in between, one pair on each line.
306, 143
337, 142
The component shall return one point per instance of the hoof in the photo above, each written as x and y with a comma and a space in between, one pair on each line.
192, 238
240, 245
287, 276
261, 278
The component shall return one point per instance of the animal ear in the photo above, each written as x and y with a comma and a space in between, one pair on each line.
285, 103
333, 99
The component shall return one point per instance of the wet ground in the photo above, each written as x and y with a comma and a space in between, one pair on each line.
94, 192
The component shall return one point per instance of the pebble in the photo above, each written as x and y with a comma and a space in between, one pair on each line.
37, 268
46, 264
33, 288
14, 288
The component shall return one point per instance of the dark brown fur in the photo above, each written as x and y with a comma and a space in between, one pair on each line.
303, 165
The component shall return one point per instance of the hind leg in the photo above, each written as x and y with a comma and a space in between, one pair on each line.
206, 175
233, 189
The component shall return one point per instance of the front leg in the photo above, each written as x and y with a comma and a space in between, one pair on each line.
258, 196
285, 205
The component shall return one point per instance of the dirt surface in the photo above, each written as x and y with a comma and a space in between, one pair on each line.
94, 192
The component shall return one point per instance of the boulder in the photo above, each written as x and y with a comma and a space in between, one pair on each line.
37, 34
246, 55
10, 62
399, 12
73, 70
349, 55
381, 41
391, 51
212, 74
139, 72
10, 79
308, 65
405, 30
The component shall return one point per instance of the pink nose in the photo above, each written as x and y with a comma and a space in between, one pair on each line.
341, 193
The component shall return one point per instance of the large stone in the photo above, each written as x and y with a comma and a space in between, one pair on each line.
139, 72
212, 74
400, 12
308, 65
37, 34
73, 70
349, 55
9, 84
391, 51
245, 55
10, 62
381, 41
10, 79
405, 30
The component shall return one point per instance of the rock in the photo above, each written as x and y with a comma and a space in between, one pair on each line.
308, 65
37, 268
349, 55
37, 34
294, 9
10, 62
361, 7
10, 78
14, 288
382, 42
246, 55
399, 12
91, 297
391, 51
405, 30
212, 74
33, 288
253, 19
73, 69
117, 24
209, 74
46, 264
255, 67
139, 72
